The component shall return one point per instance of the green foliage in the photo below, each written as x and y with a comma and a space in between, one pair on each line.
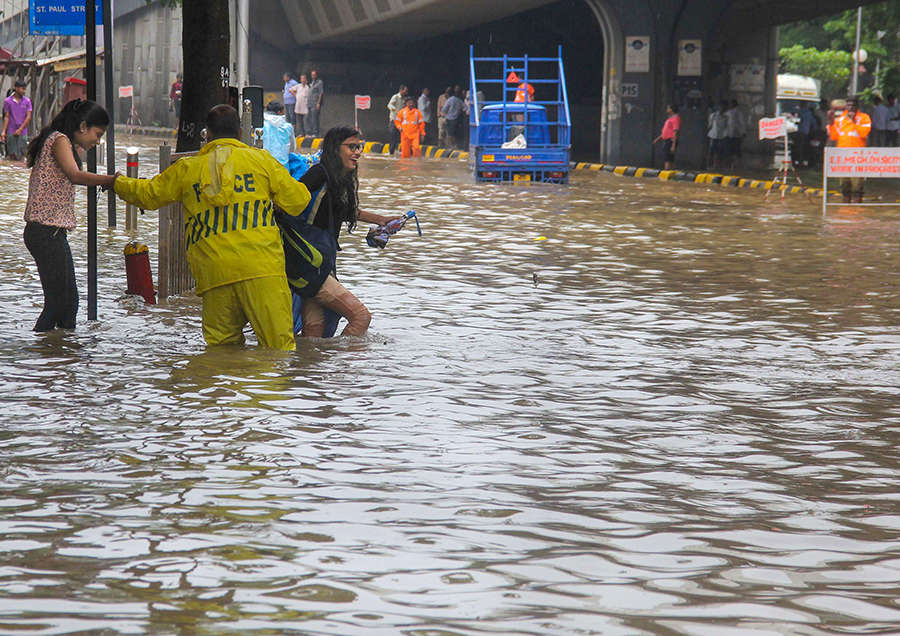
831, 67
879, 36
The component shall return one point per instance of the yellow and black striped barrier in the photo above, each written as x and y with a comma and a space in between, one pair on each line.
378, 148
707, 178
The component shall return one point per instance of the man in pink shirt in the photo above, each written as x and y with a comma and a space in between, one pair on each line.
669, 135
16, 117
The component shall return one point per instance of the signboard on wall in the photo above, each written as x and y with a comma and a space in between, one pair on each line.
748, 78
637, 54
690, 57
59, 17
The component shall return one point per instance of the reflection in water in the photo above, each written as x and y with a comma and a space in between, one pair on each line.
689, 422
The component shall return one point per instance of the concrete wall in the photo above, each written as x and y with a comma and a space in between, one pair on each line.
147, 55
638, 102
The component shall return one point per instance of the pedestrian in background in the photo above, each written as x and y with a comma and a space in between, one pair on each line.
287, 96
441, 120
880, 116
736, 129
395, 104
893, 120
278, 133
50, 210
424, 105
16, 117
669, 135
411, 125
301, 107
314, 103
717, 132
175, 92
453, 114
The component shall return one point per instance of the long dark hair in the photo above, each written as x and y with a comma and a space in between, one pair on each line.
68, 120
343, 186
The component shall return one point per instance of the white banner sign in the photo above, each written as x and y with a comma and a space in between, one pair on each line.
126, 91
750, 78
362, 102
690, 57
862, 162
772, 127
637, 54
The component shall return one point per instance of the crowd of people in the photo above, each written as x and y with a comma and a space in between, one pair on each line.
444, 121
262, 244
303, 102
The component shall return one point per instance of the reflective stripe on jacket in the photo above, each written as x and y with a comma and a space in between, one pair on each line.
849, 133
410, 122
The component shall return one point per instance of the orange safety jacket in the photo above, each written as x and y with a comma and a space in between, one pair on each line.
410, 122
850, 133
521, 90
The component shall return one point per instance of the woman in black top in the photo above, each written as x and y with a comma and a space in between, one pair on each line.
337, 171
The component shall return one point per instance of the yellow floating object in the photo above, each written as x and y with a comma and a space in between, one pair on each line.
135, 248
540, 238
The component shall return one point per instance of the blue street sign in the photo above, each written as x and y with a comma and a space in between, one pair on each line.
59, 17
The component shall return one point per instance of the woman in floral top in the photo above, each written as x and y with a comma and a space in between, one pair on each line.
50, 211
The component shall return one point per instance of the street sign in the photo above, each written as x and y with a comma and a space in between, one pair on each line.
59, 17
363, 102
126, 91
874, 162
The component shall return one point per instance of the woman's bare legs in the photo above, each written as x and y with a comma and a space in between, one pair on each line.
336, 297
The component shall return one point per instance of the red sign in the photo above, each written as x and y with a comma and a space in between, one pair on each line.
126, 91
363, 102
512, 78
772, 127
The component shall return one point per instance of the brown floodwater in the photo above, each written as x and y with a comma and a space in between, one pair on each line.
687, 425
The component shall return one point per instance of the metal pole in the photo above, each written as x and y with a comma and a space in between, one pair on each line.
131, 170
855, 83
90, 31
110, 108
243, 43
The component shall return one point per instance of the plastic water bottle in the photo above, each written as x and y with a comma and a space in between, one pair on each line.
378, 236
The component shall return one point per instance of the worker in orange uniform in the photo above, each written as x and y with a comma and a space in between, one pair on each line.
524, 89
411, 125
850, 130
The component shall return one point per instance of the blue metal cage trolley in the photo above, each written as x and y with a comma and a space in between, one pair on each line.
505, 112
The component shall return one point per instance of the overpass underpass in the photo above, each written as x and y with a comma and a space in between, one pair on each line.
371, 46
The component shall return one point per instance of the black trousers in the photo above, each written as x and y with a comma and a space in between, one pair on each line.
50, 248
395, 137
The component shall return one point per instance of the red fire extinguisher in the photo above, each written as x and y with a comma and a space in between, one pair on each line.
137, 272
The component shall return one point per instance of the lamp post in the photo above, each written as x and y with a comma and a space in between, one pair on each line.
857, 53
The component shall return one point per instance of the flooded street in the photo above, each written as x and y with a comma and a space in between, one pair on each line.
687, 423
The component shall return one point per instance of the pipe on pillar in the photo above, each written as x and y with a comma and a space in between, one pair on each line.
243, 43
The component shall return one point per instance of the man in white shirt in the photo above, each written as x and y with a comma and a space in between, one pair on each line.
395, 105
718, 134
880, 116
301, 107
893, 125
424, 106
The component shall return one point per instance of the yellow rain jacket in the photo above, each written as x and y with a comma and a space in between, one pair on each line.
227, 191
